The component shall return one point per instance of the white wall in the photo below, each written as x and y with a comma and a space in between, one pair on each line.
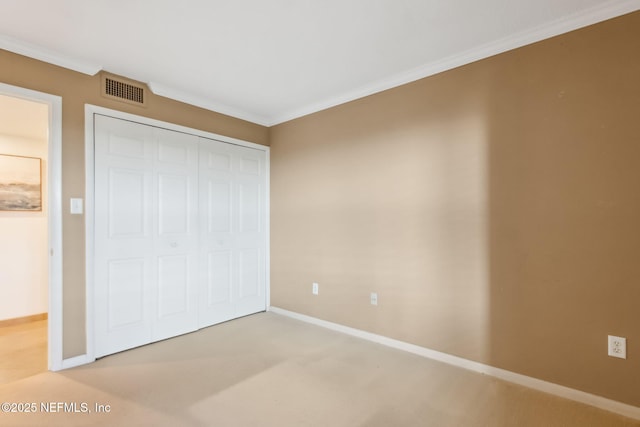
23, 243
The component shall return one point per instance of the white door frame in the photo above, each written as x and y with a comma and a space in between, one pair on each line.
90, 111
54, 215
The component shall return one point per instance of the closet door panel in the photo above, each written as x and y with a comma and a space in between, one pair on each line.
233, 241
217, 238
123, 235
175, 234
250, 243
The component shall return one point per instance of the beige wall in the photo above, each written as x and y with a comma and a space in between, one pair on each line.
76, 90
494, 208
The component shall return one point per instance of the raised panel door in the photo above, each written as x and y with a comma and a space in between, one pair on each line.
123, 235
175, 233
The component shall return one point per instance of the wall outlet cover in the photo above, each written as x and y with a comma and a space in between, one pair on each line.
617, 347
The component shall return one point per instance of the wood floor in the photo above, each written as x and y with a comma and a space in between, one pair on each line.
23, 350
269, 370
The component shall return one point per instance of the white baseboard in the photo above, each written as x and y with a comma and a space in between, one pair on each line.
530, 382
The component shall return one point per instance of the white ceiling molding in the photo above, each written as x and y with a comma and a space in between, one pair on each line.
591, 16
40, 53
289, 91
206, 103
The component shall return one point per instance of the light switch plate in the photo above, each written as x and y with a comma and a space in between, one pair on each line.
76, 206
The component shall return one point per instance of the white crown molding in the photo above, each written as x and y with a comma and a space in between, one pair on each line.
206, 103
43, 54
602, 12
578, 20
512, 377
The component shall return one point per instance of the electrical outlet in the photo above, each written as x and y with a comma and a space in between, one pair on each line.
374, 298
314, 288
617, 347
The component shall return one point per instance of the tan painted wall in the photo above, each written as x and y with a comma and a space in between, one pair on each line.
494, 208
76, 90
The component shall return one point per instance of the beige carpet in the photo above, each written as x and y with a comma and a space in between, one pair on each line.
268, 370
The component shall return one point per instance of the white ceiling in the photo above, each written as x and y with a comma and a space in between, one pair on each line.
268, 61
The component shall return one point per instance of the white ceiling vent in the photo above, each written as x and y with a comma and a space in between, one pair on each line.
124, 90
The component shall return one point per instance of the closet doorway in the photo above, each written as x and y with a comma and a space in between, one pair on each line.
179, 229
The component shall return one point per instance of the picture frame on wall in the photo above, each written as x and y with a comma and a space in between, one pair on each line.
20, 183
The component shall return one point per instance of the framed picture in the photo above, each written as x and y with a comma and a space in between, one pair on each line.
20, 183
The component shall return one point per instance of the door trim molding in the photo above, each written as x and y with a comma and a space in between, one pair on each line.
90, 111
54, 215
89, 231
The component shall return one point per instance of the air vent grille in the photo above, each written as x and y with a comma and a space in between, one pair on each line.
123, 91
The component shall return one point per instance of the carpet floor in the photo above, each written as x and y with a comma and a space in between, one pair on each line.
269, 370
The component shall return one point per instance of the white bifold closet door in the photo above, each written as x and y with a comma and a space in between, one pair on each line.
232, 231
179, 233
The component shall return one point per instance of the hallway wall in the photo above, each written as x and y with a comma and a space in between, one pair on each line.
23, 246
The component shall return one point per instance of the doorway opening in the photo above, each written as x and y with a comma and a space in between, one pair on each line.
30, 233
